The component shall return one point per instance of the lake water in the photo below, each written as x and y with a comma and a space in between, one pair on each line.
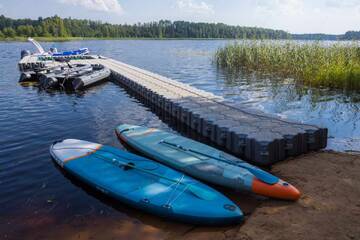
35, 195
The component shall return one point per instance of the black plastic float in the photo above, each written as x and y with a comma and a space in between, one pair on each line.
228, 127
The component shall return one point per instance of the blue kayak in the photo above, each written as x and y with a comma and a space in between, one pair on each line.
144, 184
204, 162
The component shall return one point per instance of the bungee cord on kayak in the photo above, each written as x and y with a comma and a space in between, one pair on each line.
161, 190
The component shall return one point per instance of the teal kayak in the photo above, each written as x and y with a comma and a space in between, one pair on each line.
204, 162
144, 184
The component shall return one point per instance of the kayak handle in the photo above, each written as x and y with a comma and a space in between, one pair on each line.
125, 130
57, 141
129, 165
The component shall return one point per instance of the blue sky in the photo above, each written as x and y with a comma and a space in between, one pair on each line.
295, 16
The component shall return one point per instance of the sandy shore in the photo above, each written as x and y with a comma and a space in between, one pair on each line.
328, 209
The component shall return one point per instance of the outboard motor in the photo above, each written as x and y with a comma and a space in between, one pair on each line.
77, 84
25, 53
25, 76
53, 50
48, 82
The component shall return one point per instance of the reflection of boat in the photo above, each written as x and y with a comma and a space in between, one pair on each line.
144, 184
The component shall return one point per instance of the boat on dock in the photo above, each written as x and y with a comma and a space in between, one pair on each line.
74, 78
98, 74
54, 53
204, 162
54, 70
144, 184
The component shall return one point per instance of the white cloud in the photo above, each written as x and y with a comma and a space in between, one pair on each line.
283, 7
195, 7
343, 3
345, 7
97, 5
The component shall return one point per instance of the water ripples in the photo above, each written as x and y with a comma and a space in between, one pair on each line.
30, 120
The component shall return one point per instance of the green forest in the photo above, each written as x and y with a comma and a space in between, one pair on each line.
62, 28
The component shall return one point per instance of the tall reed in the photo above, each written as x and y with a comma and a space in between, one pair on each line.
315, 64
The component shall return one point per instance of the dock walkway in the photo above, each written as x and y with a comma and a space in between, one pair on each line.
251, 135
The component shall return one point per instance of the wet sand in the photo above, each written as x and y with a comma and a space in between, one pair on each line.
328, 209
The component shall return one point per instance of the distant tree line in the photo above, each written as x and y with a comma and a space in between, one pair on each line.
315, 36
68, 27
56, 27
351, 35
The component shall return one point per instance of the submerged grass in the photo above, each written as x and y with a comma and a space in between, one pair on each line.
313, 64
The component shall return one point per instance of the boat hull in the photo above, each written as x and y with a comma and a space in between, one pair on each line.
204, 162
144, 184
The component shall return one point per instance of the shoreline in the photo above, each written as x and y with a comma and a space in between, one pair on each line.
69, 39
329, 208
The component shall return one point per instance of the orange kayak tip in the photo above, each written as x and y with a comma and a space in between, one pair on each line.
280, 190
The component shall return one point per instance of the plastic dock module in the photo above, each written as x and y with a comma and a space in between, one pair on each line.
254, 136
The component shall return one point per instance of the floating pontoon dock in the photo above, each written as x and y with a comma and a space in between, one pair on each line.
253, 136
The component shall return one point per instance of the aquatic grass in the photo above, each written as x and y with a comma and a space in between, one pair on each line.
313, 64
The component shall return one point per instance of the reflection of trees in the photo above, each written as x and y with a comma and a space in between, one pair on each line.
286, 89
338, 110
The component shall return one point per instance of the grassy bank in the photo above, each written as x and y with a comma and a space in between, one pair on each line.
314, 64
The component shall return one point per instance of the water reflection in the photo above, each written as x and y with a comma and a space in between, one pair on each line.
38, 202
335, 109
191, 61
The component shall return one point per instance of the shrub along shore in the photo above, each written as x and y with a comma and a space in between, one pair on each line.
313, 64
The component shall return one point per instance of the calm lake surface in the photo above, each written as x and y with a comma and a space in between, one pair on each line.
34, 194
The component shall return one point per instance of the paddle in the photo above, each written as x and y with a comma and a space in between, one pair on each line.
195, 190
257, 172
